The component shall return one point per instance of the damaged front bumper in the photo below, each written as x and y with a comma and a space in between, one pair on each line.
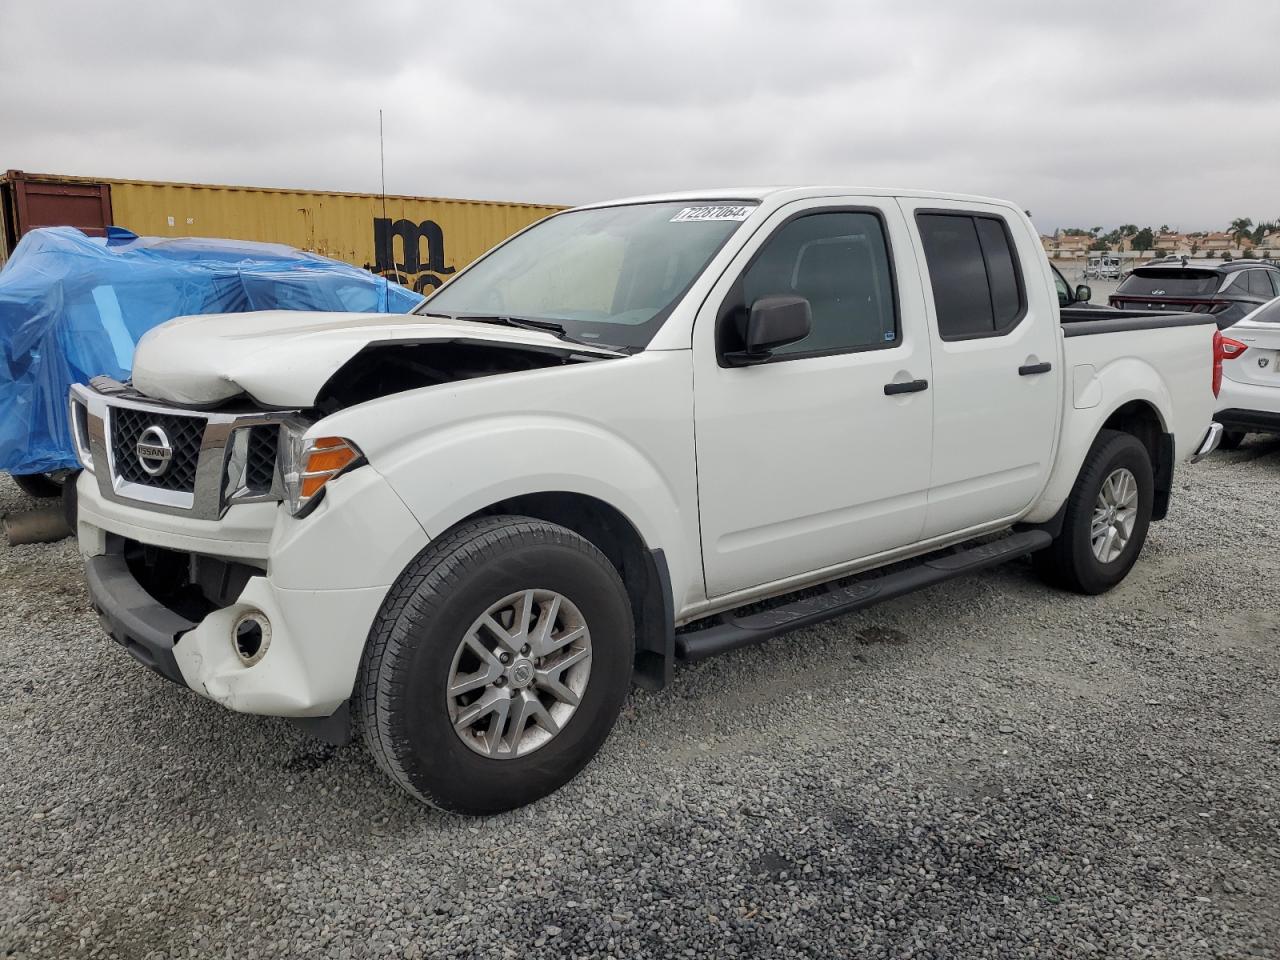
312, 587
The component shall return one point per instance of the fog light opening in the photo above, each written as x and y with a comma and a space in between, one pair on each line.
250, 637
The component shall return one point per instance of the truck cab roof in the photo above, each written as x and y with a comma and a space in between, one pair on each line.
786, 193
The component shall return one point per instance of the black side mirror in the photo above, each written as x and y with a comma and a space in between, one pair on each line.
773, 322
1084, 293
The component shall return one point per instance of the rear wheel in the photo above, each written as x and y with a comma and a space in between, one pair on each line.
1231, 439
1106, 520
497, 665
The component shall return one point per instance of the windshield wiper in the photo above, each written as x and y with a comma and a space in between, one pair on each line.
524, 323
534, 323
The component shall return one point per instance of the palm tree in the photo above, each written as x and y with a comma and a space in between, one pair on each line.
1240, 228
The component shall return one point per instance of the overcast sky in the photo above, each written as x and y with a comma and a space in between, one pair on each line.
1083, 112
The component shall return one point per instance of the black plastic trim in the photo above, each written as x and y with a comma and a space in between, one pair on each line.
734, 631
906, 386
146, 628
1053, 526
656, 636
1031, 369
335, 729
1136, 321
1163, 478
1249, 421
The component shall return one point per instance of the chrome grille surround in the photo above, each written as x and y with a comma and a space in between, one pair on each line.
209, 476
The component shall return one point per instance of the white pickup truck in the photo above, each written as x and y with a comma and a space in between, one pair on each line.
635, 433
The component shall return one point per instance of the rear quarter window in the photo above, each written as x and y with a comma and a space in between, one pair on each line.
1260, 284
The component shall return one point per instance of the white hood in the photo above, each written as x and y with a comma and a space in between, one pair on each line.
282, 358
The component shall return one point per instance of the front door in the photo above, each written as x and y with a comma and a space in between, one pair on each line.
805, 462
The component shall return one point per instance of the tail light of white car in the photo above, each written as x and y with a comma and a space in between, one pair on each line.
1224, 348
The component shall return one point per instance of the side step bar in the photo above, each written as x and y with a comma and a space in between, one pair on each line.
732, 632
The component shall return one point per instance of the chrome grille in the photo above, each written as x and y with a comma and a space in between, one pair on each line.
260, 468
205, 462
184, 433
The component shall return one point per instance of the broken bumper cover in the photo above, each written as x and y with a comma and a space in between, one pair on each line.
132, 618
293, 679
325, 580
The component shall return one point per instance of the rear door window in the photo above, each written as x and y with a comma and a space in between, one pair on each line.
977, 285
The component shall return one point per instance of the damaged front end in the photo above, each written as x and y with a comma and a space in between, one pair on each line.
199, 459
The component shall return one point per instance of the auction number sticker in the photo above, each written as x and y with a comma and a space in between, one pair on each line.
700, 214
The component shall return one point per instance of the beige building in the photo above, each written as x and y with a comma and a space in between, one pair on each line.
1061, 245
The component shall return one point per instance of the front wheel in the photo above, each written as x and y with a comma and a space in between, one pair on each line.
497, 665
1106, 520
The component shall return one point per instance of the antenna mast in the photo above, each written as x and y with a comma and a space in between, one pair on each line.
382, 162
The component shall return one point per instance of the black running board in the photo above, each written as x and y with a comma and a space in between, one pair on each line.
732, 632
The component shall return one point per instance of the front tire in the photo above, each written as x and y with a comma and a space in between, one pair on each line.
1107, 516
497, 665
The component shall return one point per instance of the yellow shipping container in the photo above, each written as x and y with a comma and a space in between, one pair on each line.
419, 241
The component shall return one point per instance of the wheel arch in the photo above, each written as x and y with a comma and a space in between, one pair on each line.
644, 571
1141, 419
1139, 408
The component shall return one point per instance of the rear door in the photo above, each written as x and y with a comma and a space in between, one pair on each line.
994, 338
52, 203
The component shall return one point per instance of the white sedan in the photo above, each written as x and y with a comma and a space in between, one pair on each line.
1249, 401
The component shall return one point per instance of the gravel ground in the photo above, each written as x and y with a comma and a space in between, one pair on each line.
986, 769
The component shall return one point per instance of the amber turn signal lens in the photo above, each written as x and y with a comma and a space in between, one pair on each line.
311, 485
317, 462
327, 461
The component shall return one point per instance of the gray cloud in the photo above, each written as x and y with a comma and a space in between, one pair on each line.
1085, 113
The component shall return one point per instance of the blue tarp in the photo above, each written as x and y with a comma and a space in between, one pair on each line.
72, 307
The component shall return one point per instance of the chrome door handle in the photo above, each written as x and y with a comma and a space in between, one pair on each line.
907, 386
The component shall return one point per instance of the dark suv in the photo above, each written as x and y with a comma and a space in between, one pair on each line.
1228, 289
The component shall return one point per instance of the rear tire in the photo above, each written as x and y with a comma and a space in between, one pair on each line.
1100, 542
507, 587
1231, 439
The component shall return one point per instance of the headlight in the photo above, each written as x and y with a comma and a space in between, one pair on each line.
80, 433
308, 463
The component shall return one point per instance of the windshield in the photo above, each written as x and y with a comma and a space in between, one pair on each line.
608, 276
1065, 297
1163, 282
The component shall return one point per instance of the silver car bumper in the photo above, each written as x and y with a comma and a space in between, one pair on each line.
1212, 437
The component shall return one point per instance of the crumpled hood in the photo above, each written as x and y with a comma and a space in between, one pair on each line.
282, 358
